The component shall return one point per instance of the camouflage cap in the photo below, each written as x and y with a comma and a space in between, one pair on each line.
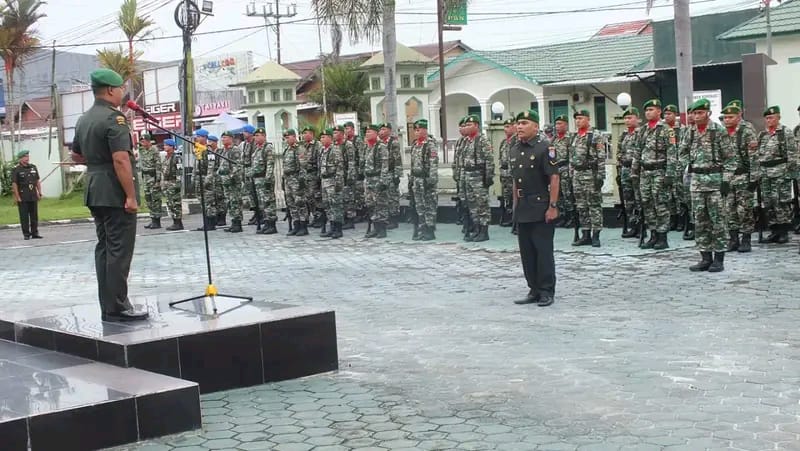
421, 123
772, 110
652, 103
528, 115
581, 113
106, 77
672, 109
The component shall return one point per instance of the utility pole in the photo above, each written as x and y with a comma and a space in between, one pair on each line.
765, 5
53, 105
187, 17
443, 99
683, 54
265, 12
322, 72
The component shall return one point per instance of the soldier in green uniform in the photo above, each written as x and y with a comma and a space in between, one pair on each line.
377, 182
396, 168
171, 185
150, 163
297, 162
778, 156
587, 167
205, 170
742, 121
216, 193
230, 172
478, 172
331, 173
424, 177
743, 144
560, 141
711, 167
677, 191
458, 172
625, 154
358, 160
262, 174
27, 190
506, 181
246, 147
683, 168
312, 147
348, 152
103, 143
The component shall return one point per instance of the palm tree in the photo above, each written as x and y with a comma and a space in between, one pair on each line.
344, 89
18, 42
119, 61
134, 27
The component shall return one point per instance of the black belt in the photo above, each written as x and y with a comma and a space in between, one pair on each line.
741, 171
585, 167
713, 170
149, 172
627, 164
372, 174
291, 173
259, 175
562, 164
419, 174
503, 166
326, 176
539, 196
654, 166
773, 163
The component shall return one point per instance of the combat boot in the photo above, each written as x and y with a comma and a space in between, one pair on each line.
681, 223
703, 264
327, 230
773, 234
745, 244
673, 222
688, 234
661, 241
177, 224
471, 233
253, 220
506, 219
303, 231
236, 226
797, 229
392, 224
373, 231
596, 238
348, 224
428, 234
209, 223
337, 230
155, 223
630, 233
482, 235
381, 227
221, 219
585, 240
718, 264
652, 242
295, 229
269, 228
783, 233
733, 241
418, 233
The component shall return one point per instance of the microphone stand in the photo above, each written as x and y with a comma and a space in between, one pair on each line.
211, 290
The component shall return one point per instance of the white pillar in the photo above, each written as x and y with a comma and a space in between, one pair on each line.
486, 113
433, 120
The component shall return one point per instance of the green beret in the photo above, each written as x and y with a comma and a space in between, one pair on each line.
529, 115
308, 128
350, 124
106, 77
22, 153
701, 104
290, 132
772, 110
375, 127
737, 103
652, 103
421, 123
147, 136
672, 109
562, 118
631, 111
338, 128
508, 121
461, 121
386, 125
260, 130
328, 131
731, 109
472, 119
227, 133
581, 113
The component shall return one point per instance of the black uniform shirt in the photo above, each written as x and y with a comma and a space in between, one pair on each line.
26, 178
532, 164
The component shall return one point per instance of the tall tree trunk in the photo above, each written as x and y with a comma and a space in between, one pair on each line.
389, 65
10, 106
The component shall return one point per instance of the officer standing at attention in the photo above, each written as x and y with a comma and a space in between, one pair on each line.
171, 185
103, 143
150, 162
506, 181
425, 179
27, 191
536, 186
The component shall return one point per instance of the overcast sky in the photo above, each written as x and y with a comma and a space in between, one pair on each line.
519, 23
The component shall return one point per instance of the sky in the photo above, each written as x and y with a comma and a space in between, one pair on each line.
493, 25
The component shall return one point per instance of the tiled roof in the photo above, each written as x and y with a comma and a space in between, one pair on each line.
784, 19
625, 29
592, 59
404, 55
270, 71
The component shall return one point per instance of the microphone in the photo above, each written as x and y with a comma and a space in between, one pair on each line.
135, 107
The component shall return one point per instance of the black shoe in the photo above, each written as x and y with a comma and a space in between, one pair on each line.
177, 224
373, 231
482, 235
630, 233
704, 264
531, 298
381, 227
221, 220
681, 223
661, 241
36, 236
392, 224
236, 226
428, 234
652, 242
688, 234
295, 229
585, 240
546, 299
733, 240
326, 230
303, 229
774, 234
718, 264
471, 232
269, 228
673, 222
348, 224
418, 233
124, 316
252, 220
506, 220
783, 235
209, 224
337, 231
155, 223
745, 245
27, 238
514, 230
596, 238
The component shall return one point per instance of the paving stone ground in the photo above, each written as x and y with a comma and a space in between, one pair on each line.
637, 352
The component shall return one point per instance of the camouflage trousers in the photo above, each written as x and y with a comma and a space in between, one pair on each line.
172, 193
477, 198
152, 195
739, 209
710, 224
265, 190
359, 190
297, 197
588, 201
376, 198
394, 197
507, 187
655, 192
776, 193
426, 200
247, 193
219, 195
210, 195
233, 196
564, 193
628, 193
677, 193
316, 197
332, 201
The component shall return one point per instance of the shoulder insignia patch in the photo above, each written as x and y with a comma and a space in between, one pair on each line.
671, 135
552, 152
121, 120
433, 153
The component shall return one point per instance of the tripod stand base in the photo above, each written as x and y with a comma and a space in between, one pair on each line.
211, 295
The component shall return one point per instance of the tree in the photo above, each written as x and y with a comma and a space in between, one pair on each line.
134, 27
119, 61
18, 41
344, 89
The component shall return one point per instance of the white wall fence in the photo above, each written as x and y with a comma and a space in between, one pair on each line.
50, 171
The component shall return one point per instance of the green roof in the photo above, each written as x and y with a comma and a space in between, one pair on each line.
784, 19
592, 59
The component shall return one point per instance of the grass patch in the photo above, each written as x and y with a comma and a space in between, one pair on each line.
69, 206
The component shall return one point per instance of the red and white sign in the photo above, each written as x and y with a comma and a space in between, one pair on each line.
168, 115
211, 109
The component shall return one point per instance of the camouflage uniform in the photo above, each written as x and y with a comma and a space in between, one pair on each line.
231, 175
561, 146
396, 169
506, 180
359, 148
777, 154
150, 162
587, 167
262, 173
171, 183
478, 175
654, 163
458, 169
424, 177
331, 172
348, 152
743, 144
313, 150
218, 192
678, 192
247, 181
378, 179
625, 154
297, 172
209, 178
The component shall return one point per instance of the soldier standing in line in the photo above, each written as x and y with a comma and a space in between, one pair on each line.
150, 162
677, 198
332, 181
683, 165
247, 160
778, 155
396, 169
205, 169
741, 142
262, 174
560, 142
171, 184
587, 158
27, 190
358, 160
230, 172
217, 193
377, 182
425, 178
297, 161
350, 175
742, 121
312, 147
711, 168
625, 154
654, 168
458, 177
506, 181
478, 171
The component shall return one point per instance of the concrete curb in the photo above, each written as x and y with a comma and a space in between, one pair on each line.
65, 222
